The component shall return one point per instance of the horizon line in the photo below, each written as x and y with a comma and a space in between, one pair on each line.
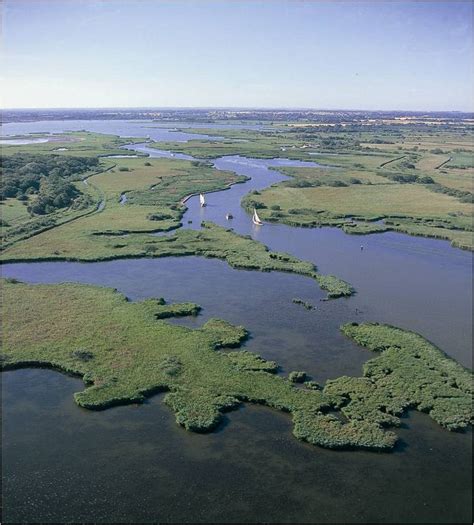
236, 108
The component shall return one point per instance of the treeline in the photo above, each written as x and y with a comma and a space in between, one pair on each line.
47, 177
462, 195
406, 178
403, 178
305, 183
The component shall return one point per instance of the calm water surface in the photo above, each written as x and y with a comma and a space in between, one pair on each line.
134, 464
123, 128
416, 283
62, 463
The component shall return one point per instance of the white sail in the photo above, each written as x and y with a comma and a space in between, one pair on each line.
256, 218
202, 200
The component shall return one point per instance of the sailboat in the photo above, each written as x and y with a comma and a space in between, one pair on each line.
256, 219
202, 200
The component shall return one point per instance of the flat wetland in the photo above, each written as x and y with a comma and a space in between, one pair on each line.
63, 463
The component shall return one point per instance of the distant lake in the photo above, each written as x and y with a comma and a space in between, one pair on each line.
21, 142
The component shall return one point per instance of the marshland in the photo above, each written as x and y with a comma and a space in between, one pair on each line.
236, 261
210, 379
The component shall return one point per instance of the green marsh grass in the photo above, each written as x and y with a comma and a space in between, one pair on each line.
124, 352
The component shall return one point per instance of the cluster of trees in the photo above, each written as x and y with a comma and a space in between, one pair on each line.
48, 177
381, 141
304, 183
201, 164
54, 192
462, 195
404, 178
407, 165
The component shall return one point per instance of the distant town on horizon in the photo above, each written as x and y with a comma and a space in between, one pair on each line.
245, 114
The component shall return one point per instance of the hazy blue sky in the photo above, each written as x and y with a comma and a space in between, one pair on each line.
272, 53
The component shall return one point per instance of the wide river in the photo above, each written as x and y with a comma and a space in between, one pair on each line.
134, 464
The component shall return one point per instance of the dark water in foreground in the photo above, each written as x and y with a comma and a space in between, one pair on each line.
134, 464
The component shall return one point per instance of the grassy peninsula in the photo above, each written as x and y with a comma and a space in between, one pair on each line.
125, 352
240, 252
410, 372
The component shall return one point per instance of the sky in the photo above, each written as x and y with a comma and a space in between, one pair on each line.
391, 55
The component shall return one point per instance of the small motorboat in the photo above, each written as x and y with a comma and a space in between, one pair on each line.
202, 200
229, 216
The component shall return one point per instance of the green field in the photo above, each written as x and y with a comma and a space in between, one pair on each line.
462, 160
368, 201
408, 208
13, 212
361, 165
124, 352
